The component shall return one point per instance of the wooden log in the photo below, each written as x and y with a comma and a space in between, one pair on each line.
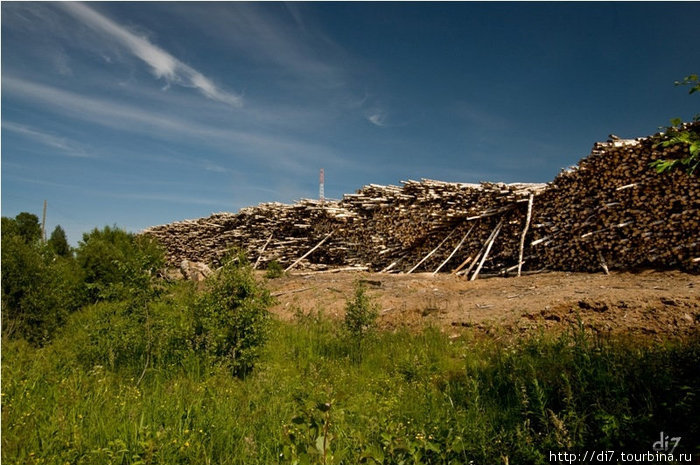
522, 238
449, 257
488, 249
393, 264
462, 265
602, 263
310, 251
260, 254
431, 252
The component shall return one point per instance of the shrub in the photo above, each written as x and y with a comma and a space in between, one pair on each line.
39, 289
274, 270
360, 313
118, 264
231, 318
226, 323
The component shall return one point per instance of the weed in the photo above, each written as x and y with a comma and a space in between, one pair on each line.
274, 270
360, 313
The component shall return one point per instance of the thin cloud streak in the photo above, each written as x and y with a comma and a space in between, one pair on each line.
163, 65
159, 197
290, 153
268, 38
69, 148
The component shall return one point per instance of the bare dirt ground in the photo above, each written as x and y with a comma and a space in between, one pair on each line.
648, 303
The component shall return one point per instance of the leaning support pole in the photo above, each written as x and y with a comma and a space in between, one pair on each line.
477, 256
310, 251
522, 238
393, 264
431, 252
260, 254
457, 271
602, 263
455, 250
488, 245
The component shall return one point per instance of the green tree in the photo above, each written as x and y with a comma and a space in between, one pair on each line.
39, 289
360, 313
231, 318
25, 225
117, 264
59, 243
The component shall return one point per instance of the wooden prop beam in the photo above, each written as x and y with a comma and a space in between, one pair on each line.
522, 238
488, 246
260, 254
431, 252
310, 251
455, 250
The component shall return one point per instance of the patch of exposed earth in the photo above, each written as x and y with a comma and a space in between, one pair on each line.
649, 303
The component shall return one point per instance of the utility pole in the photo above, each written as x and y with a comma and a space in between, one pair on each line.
43, 224
320, 186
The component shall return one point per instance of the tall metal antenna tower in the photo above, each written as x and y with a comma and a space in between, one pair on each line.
320, 186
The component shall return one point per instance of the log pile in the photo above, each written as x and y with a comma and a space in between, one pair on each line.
612, 211
399, 226
267, 232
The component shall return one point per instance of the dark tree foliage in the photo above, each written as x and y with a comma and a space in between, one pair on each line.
117, 264
39, 289
25, 225
59, 243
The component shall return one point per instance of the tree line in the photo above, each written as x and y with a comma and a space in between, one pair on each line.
45, 281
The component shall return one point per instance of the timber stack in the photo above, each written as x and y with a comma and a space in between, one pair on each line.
612, 211
615, 211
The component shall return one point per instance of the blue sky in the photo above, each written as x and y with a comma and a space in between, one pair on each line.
139, 114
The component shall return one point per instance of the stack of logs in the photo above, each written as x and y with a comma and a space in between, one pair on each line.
612, 211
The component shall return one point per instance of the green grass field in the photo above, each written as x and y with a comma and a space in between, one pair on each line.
316, 395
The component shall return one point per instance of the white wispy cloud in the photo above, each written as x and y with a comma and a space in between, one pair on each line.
281, 150
63, 144
378, 118
163, 64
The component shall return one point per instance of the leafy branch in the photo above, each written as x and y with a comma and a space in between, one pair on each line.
689, 163
679, 134
693, 81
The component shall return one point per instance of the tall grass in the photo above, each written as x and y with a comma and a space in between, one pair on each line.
409, 398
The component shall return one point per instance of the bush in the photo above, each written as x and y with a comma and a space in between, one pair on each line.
132, 336
274, 270
118, 264
231, 318
360, 313
226, 323
39, 289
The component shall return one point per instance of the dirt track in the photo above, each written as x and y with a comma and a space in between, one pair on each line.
651, 303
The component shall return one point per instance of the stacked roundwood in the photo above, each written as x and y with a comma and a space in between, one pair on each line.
615, 211
400, 225
291, 230
611, 211
373, 228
